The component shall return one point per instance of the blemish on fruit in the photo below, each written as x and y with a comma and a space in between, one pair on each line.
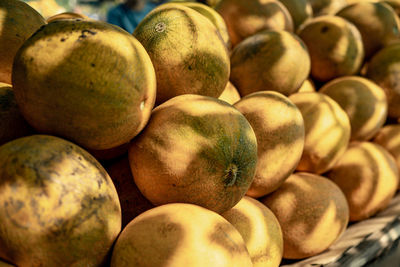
160, 27
85, 33
93, 65
62, 39
324, 29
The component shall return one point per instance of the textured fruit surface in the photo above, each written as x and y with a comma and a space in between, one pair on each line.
363, 101
389, 137
195, 149
187, 52
384, 70
64, 88
335, 47
245, 18
327, 131
312, 211
270, 60
18, 21
260, 230
58, 206
377, 22
279, 128
368, 176
180, 235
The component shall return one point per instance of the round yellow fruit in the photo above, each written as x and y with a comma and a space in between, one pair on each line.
58, 206
377, 22
270, 60
195, 149
368, 176
244, 18
335, 47
364, 102
389, 137
260, 230
279, 128
18, 21
180, 235
384, 70
312, 211
327, 131
186, 50
85, 80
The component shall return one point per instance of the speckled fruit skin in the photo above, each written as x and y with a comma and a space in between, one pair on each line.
180, 235
84, 80
18, 21
58, 206
195, 149
187, 51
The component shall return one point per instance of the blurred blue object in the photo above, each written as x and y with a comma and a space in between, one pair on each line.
127, 15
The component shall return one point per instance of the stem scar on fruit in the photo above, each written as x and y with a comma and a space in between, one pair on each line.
160, 27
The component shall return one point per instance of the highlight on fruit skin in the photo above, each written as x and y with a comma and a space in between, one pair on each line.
335, 47
307, 86
186, 50
368, 176
279, 128
247, 17
180, 235
18, 21
300, 11
377, 22
312, 212
87, 81
214, 17
66, 15
270, 60
195, 149
383, 69
327, 7
260, 230
389, 138
327, 131
58, 206
364, 102
230, 94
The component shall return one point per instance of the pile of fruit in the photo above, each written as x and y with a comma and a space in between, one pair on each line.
238, 133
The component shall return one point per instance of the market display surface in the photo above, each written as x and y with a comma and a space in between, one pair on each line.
229, 133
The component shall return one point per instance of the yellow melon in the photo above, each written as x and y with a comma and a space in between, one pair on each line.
270, 60
260, 230
377, 22
186, 50
279, 128
195, 149
364, 102
384, 70
368, 176
245, 18
335, 47
180, 235
389, 137
18, 21
312, 211
58, 206
85, 80
327, 131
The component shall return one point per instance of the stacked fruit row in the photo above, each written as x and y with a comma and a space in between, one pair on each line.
231, 134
